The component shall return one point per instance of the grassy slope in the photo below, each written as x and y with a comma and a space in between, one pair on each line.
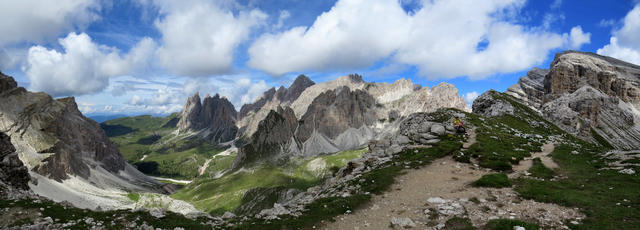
580, 182
225, 194
146, 135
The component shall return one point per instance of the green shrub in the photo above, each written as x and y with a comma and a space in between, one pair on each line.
539, 170
495, 180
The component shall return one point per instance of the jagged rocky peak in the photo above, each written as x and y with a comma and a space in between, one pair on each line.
190, 118
57, 143
282, 96
258, 104
214, 118
300, 105
301, 83
7, 83
586, 93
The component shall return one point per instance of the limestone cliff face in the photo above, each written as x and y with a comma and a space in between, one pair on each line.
13, 174
582, 92
57, 143
273, 138
213, 119
530, 89
335, 111
55, 129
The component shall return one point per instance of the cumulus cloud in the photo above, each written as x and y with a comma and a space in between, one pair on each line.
578, 38
624, 43
199, 37
443, 39
347, 36
470, 97
83, 67
37, 21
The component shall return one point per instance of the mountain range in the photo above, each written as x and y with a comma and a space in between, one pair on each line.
299, 146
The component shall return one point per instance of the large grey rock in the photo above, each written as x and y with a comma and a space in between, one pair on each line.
402, 222
437, 129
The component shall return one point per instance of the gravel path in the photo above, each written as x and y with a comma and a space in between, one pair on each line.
525, 164
431, 195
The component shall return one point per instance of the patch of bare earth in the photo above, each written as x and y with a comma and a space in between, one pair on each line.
433, 194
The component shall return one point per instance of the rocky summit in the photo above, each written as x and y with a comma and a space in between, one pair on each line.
214, 119
589, 95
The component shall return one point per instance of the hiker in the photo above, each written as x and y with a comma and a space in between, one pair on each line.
459, 124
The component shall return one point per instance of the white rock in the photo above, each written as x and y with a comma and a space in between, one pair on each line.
627, 171
157, 213
518, 228
228, 215
436, 200
403, 222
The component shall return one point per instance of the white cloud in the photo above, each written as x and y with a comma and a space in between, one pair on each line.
83, 67
607, 23
556, 4
199, 37
578, 38
470, 97
442, 39
624, 43
37, 20
136, 100
348, 36
284, 15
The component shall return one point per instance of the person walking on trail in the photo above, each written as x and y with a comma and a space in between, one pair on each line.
459, 124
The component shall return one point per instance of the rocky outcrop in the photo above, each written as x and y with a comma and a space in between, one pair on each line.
214, 119
530, 89
258, 199
13, 174
582, 92
489, 104
57, 144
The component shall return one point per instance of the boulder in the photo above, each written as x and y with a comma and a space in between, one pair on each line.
402, 222
437, 129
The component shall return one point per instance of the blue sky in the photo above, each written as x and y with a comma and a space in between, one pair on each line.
147, 56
